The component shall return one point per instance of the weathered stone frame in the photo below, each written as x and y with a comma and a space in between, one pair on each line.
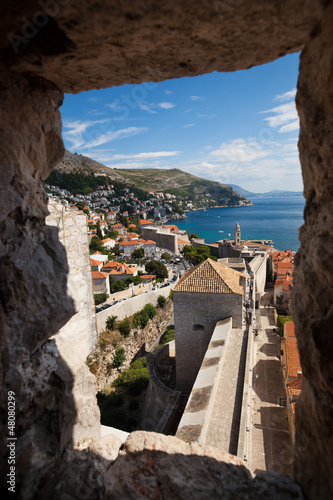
83, 46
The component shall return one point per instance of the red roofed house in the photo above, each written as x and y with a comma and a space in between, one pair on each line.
144, 223
128, 247
119, 228
96, 265
101, 282
148, 277
292, 370
119, 270
149, 248
108, 243
172, 227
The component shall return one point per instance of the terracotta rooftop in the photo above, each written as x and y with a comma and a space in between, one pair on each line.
292, 357
180, 241
149, 242
148, 276
97, 275
289, 329
210, 277
95, 263
110, 265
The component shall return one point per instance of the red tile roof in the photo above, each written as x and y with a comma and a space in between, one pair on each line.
97, 275
150, 242
172, 227
148, 276
95, 262
289, 329
292, 357
110, 265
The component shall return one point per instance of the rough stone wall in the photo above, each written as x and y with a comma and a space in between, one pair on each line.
80, 330
196, 418
258, 266
33, 268
89, 45
161, 402
162, 237
313, 275
131, 306
199, 309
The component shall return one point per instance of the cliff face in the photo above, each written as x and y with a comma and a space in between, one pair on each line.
75, 47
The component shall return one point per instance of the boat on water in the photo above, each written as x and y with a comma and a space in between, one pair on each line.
218, 217
220, 231
229, 234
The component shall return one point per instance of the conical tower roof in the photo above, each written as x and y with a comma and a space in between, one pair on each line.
210, 277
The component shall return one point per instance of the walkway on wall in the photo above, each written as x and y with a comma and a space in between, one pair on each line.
225, 416
271, 447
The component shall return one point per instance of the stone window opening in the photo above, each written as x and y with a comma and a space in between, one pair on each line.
198, 328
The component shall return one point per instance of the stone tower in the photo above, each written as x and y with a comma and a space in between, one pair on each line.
237, 235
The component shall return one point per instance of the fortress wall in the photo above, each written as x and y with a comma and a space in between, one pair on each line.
196, 418
161, 403
258, 266
163, 238
199, 309
131, 306
80, 330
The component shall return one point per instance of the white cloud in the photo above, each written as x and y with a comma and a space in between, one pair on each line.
290, 127
114, 135
188, 125
154, 154
77, 129
145, 107
168, 92
287, 96
285, 115
166, 105
196, 98
239, 151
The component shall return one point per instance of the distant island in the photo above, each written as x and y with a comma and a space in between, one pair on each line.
273, 193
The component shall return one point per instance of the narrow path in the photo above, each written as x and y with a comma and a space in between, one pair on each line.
223, 429
271, 445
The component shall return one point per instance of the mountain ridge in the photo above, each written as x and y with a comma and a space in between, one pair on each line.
201, 192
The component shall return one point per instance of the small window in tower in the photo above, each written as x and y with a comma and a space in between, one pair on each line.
198, 328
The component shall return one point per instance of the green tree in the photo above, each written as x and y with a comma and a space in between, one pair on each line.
100, 297
150, 310
119, 357
171, 295
96, 245
118, 286
157, 268
125, 327
111, 322
138, 253
161, 301
166, 256
194, 235
137, 280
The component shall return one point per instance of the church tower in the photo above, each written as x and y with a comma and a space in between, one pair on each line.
237, 235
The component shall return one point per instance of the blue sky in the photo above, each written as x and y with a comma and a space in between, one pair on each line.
235, 128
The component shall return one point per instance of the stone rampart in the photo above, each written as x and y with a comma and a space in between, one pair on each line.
196, 418
259, 267
80, 330
162, 237
131, 306
162, 403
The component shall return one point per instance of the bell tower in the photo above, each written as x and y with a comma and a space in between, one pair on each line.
237, 235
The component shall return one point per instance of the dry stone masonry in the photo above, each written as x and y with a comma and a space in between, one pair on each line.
48, 48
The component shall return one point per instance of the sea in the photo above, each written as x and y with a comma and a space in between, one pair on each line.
269, 218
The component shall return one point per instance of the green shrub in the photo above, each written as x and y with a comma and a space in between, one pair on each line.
102, 343
135, 377
171, 295
119, 357
143, 319
111, 322
125, 327
100, 297
281, 320
161, 301
150, 310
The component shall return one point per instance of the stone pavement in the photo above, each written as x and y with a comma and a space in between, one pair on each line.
271, 444
224, 420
